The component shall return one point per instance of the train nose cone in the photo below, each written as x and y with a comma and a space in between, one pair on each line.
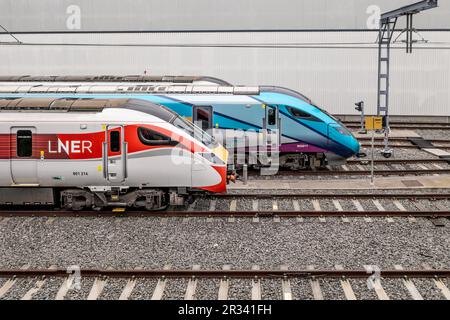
356, 146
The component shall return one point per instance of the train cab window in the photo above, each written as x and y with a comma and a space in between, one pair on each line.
114, 141
24, 143
202, 117
297, 113
271, 116
152, 138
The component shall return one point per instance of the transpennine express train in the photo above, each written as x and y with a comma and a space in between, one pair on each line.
308, 135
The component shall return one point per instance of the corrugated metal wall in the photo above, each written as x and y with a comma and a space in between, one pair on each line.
51, 15
335, 69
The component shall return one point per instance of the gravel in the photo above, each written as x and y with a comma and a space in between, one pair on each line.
332, 289
207, 289
144, 288
434, 134
113, 289
49, 290
20, 287
83, 292
301, 289
240, 289
395, 289
145, 242
361, 290
428, 289
175, 289
271, 289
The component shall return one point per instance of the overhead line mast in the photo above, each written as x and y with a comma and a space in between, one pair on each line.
388, 22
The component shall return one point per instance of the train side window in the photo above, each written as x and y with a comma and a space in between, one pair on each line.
202, 117
271, 116
297, 113
24, 143
153, 138
114, 141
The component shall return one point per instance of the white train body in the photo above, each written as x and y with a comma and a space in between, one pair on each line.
103, 150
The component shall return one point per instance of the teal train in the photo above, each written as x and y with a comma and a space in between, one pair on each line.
309, 135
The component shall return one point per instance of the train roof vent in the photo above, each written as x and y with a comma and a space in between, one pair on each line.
67, 89
34, 89
176, 89
204, 89
28, 104
246, 90
61, 104
68, 105
8, 104
73, 78
88, 105
83, 88
130, 78
10, 78
103, 89
228, 90
40, 78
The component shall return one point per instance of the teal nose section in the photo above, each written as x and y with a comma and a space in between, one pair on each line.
355, 145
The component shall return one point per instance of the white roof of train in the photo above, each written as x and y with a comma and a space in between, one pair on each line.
153, 89
87, 110
118, 80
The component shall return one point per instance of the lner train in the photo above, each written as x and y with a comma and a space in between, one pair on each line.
94, 153
309, 136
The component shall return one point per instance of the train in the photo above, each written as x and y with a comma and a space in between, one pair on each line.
307, 135
85, 153
118, 80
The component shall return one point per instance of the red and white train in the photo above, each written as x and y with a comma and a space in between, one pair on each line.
93, 153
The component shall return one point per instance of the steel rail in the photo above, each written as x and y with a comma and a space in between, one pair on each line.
407, 126
228, 214
405, 146
401, 172
189, 273
402, 139
328, 195
397, 161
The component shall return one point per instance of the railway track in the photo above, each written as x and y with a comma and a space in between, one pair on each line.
404, 146
282, 283
403, 125
225, 272
231, 214
361, 167
401, 139
404, 143
398, 161
286, 205
348, 172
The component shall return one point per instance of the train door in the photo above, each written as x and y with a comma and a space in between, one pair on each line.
202, 116
272, 126
23, 159
115, 154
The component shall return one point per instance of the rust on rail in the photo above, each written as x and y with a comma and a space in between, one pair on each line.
187, 273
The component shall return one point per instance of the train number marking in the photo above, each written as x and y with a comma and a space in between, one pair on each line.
80, 173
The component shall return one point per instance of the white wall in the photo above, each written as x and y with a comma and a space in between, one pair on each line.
101, 15
333, 77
